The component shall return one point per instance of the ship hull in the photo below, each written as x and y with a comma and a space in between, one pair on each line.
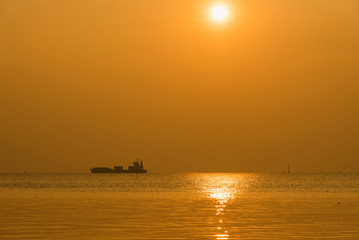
101, 171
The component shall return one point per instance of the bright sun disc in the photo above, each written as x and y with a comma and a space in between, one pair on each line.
219, 13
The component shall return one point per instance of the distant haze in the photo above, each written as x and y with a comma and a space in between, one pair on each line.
87, 83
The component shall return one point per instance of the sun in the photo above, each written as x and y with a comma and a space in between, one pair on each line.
219, 13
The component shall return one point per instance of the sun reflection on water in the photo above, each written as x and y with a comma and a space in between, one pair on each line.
221, 196
223, 189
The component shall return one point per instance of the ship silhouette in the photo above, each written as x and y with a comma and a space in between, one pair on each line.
135, 168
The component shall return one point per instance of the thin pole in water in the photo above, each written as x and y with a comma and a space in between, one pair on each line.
136, 171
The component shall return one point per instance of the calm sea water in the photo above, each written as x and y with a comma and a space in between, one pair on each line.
179, 206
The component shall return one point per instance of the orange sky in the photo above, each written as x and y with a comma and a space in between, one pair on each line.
99, 82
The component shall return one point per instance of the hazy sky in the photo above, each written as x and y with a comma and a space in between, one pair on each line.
87, 83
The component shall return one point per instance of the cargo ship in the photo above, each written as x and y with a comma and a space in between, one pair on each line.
136, 168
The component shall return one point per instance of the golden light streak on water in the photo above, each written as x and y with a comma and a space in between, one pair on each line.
222, 189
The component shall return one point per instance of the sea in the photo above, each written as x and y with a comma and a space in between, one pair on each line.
179, 206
